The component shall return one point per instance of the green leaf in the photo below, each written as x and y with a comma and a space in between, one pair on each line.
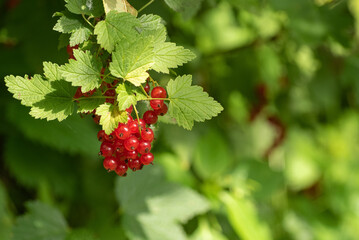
151, 25
212, 147
84, 72
88, 104
125, 96
80, 234
80, 35
152, 205
29, 91
187, 7
57, 104
115, 28
68, 23
51, 71
41, 165
111, 116
246, 224
6, 220
49, 100
42, 222
74, 135
190, 103
132, 60
87, 7
168, 55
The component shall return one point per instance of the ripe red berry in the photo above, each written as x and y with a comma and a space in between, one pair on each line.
111, 137
122, 132
147, 158
150, 117
131, 143
133, 126
147, 88
110, 163
129, 110
96, 118
78, 93
89, 93
106, 149
162, 111
135, 164
158, 92
147, 135
121, 169
142, 123
131, 154
101, 135
156, 104
119, 147
144, 147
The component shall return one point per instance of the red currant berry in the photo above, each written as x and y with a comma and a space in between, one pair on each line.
147, 158
89, 93
158, 92
110, 93
142, 123
96, 118
121, 156
129, 118
111, 137
156, 104
133, 126
147, 135
144, 147
101, 135
122, 132
162, 111
134, 164
129, 110
131, 143
106, 149
110, 163
121, 169
119, 148
150, 117
131, 154
147, 88
78, 93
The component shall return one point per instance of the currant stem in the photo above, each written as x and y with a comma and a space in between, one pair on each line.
146, 5
144, 91
138, 118
83, 16
154, 83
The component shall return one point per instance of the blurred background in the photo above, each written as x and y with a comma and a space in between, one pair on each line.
280, 162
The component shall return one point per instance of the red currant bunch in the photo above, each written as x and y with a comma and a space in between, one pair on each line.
130, 144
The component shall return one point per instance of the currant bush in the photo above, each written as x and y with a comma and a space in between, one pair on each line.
108, 73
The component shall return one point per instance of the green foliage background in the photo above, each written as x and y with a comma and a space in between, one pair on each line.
281, 161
